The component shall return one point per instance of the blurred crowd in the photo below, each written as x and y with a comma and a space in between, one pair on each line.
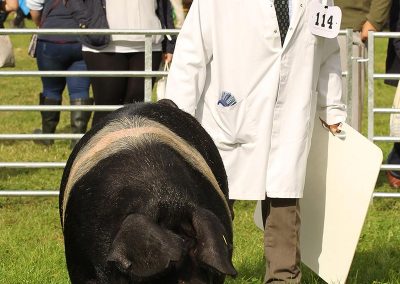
94, 53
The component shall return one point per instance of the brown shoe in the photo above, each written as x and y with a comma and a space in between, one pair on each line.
393, 181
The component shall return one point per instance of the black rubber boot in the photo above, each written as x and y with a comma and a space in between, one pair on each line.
50, 119
19, 21
80, 119
3, 18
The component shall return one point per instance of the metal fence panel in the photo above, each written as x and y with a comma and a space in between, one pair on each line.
148, 74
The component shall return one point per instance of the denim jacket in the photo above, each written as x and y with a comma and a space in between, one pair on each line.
91, 14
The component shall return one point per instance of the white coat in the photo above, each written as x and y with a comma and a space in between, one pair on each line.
233, 46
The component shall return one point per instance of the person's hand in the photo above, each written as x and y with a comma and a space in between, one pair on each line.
334, 128
9, 5
365, 28
167, 57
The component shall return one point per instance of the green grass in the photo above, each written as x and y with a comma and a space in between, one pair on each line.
31, 244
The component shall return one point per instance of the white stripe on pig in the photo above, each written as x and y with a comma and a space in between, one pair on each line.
127, 132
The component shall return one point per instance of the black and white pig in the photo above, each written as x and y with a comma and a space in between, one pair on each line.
144, 199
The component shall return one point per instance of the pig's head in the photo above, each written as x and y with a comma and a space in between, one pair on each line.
198, 251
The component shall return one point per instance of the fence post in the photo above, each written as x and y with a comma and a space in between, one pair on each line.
349, 76
371, 70
148, 66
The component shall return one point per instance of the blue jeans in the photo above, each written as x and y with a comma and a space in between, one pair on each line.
62, 57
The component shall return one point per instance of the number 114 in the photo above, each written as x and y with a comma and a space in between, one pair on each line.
329, 22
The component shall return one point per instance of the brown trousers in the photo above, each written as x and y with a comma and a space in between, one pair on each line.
281, 240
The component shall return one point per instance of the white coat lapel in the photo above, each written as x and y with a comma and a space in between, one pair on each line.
299, 7
265, 6
268, 21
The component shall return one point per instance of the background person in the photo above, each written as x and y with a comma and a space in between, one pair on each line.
186, 5
125, 52
21, 14
59, 52
178, 13
6, 6
257, 99
180, 8
361, 16
393, 66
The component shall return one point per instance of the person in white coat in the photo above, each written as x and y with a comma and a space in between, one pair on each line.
256, 86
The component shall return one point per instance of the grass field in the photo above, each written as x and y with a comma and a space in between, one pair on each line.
31, 244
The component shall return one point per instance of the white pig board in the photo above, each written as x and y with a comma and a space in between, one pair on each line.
340, 180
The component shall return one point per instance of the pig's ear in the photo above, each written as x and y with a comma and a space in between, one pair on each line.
142, 248
167, 102
212, 246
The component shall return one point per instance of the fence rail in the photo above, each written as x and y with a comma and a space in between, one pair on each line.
33, 165
58, 108
145, 74
143, 32
21, 193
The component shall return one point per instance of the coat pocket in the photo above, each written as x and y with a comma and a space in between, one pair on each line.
235, 123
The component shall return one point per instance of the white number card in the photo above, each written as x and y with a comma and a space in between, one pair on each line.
324, 20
